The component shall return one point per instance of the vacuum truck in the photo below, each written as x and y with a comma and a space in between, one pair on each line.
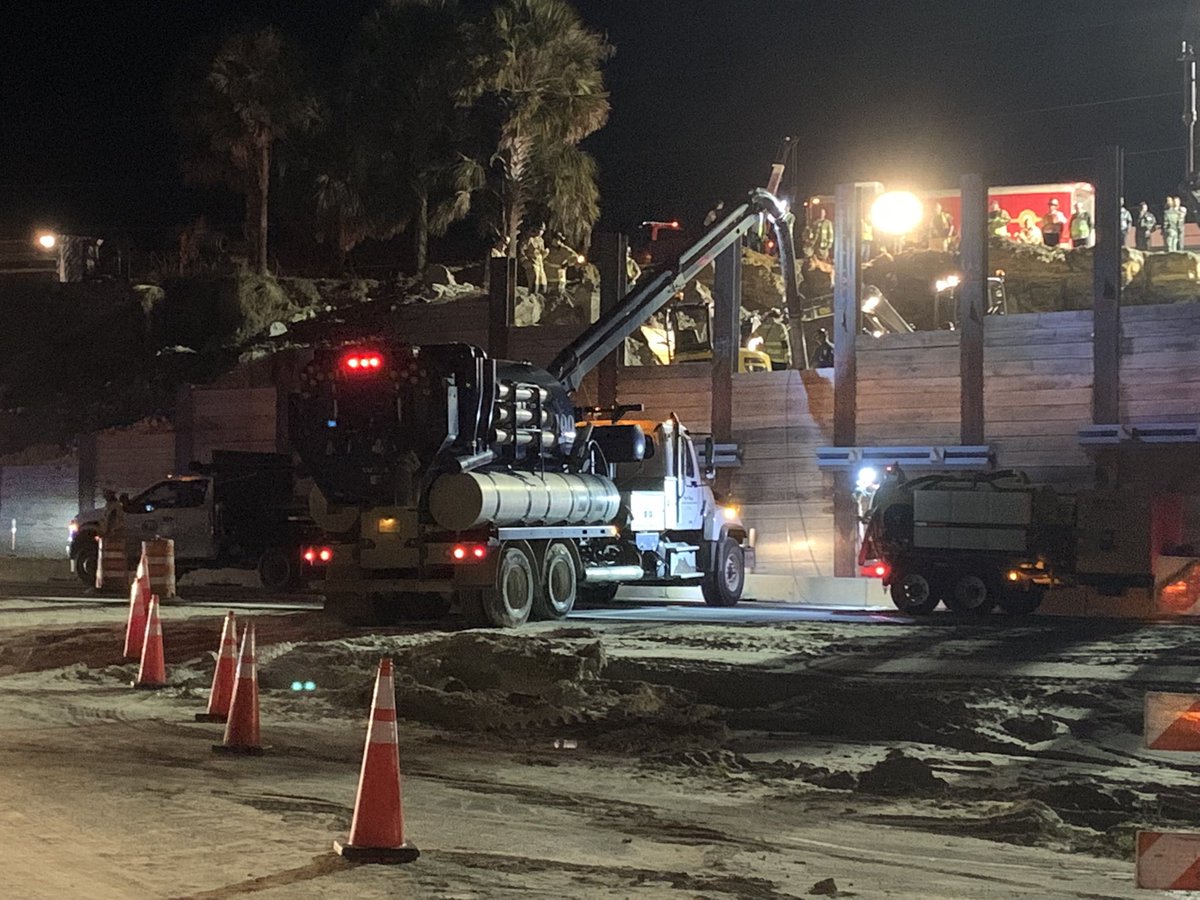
443, 474
977, 540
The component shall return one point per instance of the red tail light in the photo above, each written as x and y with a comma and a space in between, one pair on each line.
468, 552
315, 555
358, 361
876, 569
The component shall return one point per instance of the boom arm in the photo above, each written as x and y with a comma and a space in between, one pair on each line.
610, 330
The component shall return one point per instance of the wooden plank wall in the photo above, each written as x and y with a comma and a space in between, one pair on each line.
230, 419
1160, 363
779, 419
908, 389
1037, 371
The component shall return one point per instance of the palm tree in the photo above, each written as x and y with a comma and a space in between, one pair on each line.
245, 99
534, 81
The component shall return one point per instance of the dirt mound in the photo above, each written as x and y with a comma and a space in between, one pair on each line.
899, 774
482, 681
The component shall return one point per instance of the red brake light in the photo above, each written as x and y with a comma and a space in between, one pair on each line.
310, 555
876, 569
459, 552
325, 554
479, 552
361, 361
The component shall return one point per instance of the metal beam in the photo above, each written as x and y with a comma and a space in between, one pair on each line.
727, 305
502, 297
1106, 305
609, 253
972, 306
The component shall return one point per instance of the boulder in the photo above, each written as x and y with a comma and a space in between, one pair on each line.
528, 308
436, 274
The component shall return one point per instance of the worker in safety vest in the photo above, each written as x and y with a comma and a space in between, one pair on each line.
1053, 223
776, 342
1144, 226
1126, 223
632, 270
1172, 228
868, 240
1081, 227
822, 230
533, 259
559, 257
998, 219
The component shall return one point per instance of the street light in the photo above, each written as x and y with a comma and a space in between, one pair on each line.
47, 241
896, 212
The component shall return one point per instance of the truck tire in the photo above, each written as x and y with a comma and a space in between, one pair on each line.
509, 603
278, 570
971, 594
914, 593
722, 585
85, 563
559, 587
1021, 603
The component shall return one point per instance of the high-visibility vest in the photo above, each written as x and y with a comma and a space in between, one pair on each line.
1081, 226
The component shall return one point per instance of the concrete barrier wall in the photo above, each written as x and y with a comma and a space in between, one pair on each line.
38, 501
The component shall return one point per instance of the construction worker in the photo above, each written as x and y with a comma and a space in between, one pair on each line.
1053, 223
559, 257
1030, 232
941, 229
112, 524
776, 342
1126, 223
1081, 227
1144, 226
998, 219
533, 259
632, 270
823, 353
822, 230
1172, 227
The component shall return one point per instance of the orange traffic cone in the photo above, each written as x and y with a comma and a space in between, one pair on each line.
222, 685
241, 731
377, 830
152, 673
135, 629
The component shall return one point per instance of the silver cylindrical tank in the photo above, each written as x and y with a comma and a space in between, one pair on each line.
463, 501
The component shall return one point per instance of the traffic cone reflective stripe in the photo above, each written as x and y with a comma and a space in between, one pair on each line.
152, 671
241, 731
135, 628
221, 695
377, 830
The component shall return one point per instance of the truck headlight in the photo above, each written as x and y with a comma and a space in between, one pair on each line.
73, 528
730, 513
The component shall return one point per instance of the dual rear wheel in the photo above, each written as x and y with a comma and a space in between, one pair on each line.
918, 593
524, 591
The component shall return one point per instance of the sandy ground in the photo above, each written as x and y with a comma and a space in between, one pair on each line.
713, 761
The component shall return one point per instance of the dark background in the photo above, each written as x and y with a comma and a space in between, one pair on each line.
910, 92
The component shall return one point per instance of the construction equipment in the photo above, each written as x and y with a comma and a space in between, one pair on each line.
444, 474
689, 335
980, 539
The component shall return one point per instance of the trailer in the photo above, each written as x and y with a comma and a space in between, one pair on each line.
445, 476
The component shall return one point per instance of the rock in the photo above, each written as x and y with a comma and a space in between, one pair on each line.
1159, 266
826, 887
762, 282
898, 773
436, 274
1032, 730
277, 329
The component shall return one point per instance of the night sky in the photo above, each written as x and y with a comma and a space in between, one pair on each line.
909, 92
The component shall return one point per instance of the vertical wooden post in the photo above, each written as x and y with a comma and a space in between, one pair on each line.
847, 317
610, 252
87, 471
1106, 273
502, 297
972, 307
185, 428
726, 331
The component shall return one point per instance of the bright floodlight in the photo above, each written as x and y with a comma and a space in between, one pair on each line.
896, 212
867, 478
47, 241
